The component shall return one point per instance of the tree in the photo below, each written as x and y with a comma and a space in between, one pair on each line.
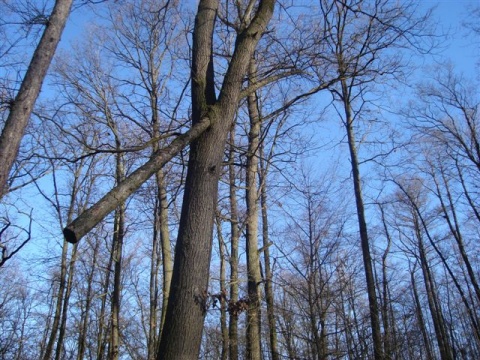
357, 36
186, 305
22, 107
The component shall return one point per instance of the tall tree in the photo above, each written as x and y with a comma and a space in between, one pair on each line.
187, 302
357, 35
252, 199
22, 106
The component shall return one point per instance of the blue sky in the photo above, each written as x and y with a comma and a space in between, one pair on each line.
461, 49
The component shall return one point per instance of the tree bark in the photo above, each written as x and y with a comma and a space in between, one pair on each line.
235, 238
420, 318
117, 249
433, 301
181, 335
24, 102
362, 224
82, 334
253, 259
58, 307
66, 300
269, 295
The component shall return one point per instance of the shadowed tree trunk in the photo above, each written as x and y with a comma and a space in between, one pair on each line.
187, 306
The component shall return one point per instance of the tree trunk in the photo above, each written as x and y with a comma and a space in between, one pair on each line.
450, 214
269, 296
433, 301
167, 262
362, 224
189, 289
58, 307
103, 325
420, 318
117, 251
120, 193
66, 299
221, 296
82, 334
253, 260
387, 345
235, 237
24, 102
153, 282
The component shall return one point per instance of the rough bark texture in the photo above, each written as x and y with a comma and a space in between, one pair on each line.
22, 106
181, 335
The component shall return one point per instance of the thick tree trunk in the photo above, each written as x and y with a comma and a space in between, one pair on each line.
22, 106
181, 335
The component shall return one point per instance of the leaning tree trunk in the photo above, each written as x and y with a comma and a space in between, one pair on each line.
22, 106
